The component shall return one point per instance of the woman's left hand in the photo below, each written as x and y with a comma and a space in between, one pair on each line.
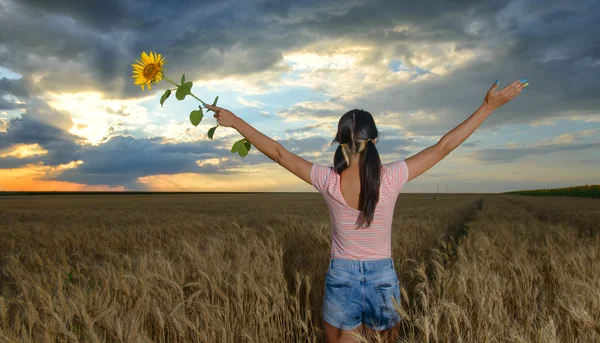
224, 117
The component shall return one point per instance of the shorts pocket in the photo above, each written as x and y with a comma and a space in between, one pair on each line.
336, 295
387, 291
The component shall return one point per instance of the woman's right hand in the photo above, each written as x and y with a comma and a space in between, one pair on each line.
495, 99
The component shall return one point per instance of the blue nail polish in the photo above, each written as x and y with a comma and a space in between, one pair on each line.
523, 91
496, 81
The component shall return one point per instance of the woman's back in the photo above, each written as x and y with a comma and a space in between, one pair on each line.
348, 242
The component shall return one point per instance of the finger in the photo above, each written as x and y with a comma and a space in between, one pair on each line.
510, 88
494, 86
517, 91
211, 107
513, 85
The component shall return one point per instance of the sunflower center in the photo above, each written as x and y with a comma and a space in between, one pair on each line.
150, 71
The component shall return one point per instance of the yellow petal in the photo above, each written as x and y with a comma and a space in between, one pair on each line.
149, 87
145, 57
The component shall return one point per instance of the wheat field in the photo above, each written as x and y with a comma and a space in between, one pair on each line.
251, 268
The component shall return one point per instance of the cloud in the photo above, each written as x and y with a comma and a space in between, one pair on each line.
420, 69
568, 142
43, 127
122, 160
12, 89
306, 128
450, 46
250, 103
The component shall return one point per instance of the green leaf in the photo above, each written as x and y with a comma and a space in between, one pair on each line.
240, 147
242, 151
165, 96
196, 117
180, 93
183, 90
215, 102
235, 146
70, 276
182, 79
247, 145
211, 132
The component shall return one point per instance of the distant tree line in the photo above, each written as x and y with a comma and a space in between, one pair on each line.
587, 191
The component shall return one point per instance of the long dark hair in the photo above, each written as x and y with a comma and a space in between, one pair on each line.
354, 129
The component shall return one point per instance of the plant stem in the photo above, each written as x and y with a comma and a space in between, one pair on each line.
169, 80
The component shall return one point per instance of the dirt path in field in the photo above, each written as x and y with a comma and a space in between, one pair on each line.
452, 237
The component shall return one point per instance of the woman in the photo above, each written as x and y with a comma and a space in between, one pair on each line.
361, 285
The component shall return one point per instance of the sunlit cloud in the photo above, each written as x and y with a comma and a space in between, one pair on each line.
250, 103
24, 150
211, 161
346, 70
95, 117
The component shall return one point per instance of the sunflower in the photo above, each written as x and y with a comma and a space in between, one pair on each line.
150, 70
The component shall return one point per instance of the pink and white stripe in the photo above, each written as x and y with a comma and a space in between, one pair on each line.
349, 242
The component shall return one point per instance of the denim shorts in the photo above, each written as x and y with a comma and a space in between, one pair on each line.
359, 292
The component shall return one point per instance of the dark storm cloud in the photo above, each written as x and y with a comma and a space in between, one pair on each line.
11, 87
41, 125
105, 37
122, 160
99, 14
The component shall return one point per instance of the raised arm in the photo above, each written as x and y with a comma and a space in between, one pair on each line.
268, 146
424, 160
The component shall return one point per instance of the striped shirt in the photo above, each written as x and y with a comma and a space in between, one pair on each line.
370, 243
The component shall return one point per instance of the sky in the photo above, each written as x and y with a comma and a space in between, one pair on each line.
72, 119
